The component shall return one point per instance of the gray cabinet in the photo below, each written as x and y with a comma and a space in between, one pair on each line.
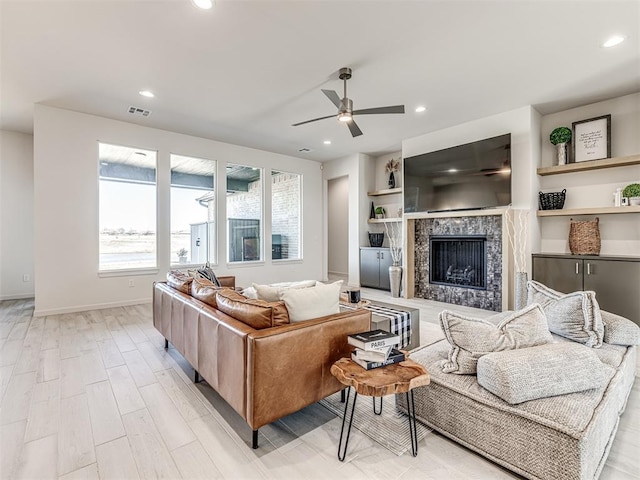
374, 267
616, 280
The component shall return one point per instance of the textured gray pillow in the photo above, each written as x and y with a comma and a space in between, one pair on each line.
619, 330
470, 338
517, 376
575, 316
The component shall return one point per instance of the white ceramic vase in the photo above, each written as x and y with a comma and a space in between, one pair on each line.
395, 279
561, 151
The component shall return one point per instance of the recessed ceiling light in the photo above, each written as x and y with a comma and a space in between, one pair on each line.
613, 41
203, 4
452, 170
146, 93
327, 142
420, 109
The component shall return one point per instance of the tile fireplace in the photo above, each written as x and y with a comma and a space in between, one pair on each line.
458, 259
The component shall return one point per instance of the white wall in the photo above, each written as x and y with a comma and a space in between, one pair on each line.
350, 167
338, 225
66, 206
620, 233
16, 215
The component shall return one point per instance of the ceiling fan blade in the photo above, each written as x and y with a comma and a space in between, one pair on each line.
380, 110
354, 129
333, 96
313, 120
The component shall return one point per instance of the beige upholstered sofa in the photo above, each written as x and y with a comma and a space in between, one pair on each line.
266, 373
552, 435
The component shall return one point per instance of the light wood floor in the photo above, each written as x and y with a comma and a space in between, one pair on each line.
95, 395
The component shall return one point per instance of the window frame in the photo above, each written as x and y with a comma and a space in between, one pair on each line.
128, 271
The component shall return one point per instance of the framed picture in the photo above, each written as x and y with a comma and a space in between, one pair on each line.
591, 139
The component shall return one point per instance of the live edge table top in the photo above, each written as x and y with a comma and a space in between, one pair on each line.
378, 382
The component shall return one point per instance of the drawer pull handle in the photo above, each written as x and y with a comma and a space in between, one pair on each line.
577, 269
588, 269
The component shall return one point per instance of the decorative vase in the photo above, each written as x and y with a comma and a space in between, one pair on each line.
372, 213
392, 180
634, 200
561, 151
520, 291
395, 277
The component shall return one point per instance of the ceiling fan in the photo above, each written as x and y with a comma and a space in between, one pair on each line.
345, 107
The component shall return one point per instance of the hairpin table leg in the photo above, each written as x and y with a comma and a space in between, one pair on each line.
342, 451
413, 430
377, 412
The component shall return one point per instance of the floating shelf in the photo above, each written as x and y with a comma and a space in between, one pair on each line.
384, 220
588, 211
388, 191
590, 165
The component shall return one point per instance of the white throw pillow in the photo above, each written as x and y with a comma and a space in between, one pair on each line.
271, 293
575, 316
471, 338
312, 302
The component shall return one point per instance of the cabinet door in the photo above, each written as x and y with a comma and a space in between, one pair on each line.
561, 274
385, 263
616, 286
370, 267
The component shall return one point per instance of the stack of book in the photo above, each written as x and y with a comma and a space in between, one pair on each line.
375, 349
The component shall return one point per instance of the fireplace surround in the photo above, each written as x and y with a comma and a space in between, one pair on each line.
482, 232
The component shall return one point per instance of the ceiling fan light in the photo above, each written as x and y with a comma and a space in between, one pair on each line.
344, 117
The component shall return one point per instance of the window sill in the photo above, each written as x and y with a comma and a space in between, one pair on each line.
256, 263
190, 266
287, 261
128, 273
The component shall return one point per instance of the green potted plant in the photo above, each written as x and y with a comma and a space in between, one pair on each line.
380, 212
560, 137
632, 192
182, 255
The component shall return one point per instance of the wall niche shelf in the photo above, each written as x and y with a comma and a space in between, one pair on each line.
384, 220
590, 165
388, 191
588, 211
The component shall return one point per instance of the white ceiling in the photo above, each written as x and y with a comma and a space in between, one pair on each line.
245, 71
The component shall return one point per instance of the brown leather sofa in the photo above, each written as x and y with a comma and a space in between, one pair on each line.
263, 374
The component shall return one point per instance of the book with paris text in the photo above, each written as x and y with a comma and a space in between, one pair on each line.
373, 355
396, 356
374, 340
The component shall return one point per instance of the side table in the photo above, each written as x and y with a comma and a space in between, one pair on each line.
401, 377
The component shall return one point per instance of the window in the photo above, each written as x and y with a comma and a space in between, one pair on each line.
127, 207
244, 213
285, 215
193, 210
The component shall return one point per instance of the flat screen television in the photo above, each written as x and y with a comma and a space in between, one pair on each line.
472, 176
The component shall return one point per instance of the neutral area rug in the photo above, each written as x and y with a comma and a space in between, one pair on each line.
390, 429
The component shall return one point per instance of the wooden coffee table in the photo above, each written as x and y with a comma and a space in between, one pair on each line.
402, 377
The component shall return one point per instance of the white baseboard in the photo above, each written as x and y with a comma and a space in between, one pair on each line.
84, 308
17, 296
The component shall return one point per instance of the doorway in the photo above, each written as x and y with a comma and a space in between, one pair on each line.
338, 228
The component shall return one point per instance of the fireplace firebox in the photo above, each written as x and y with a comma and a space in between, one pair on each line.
458, 261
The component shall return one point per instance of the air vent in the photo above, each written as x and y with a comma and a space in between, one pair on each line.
304, 150
139, 111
